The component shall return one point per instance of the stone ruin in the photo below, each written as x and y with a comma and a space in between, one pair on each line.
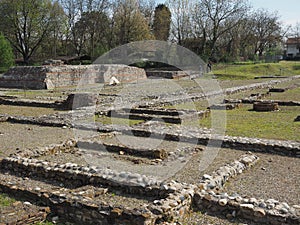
78, 193
50, 77
265, 106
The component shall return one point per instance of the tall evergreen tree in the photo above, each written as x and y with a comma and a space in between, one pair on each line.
162, 22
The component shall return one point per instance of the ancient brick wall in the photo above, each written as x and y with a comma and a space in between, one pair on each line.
41, 77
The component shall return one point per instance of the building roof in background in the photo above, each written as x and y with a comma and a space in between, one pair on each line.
293, 40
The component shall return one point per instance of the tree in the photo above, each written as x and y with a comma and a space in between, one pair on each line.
6, 54
82, 16
296, 30
181, 24
73, 40
58, 28
26, 24
162, 22
147, 8
216, 19
129, 23
92, 30
266, 30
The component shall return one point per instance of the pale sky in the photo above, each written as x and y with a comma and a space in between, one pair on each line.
288, 10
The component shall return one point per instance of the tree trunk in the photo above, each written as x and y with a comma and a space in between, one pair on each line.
26, 59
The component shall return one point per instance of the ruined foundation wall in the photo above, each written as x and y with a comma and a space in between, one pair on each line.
42, 77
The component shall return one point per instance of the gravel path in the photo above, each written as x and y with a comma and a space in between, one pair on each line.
14, 137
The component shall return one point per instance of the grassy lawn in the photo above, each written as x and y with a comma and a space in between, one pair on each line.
33, 94
5, 200
271, 125
249, 71
25, 110
289, 95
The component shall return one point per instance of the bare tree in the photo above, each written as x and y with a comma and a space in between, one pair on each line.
216, 18
73, 10
181, 19
147, 8
82, 18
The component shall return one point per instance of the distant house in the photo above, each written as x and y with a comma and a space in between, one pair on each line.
293, 48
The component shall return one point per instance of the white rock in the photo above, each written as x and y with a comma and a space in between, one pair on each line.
223, 201
247, 206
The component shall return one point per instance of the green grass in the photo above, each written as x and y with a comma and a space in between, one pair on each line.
271, 125
34, 93
26, 110
289, 95
44, 223
249, 71
5, 200
47, 223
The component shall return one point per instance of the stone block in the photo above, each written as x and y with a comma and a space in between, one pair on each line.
265, 106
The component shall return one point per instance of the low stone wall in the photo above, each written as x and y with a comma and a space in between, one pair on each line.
49, 77
218, 178
261, 211
76, 175
30, 103
81, 210
253, 100
225, 106
287, 148
174, 200
142, 152
156, 117
228, 91
166, 74
265, 106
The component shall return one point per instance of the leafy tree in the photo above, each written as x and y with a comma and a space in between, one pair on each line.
58, 28
129, 23
93, 27
26, 24
6, 54
266, 30
162, 22
85, 22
